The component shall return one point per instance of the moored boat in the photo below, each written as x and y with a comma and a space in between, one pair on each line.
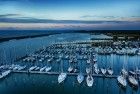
48, 69
103, 70
122, 81
133, 81
80, 78
89, 80
62, 77
5, 73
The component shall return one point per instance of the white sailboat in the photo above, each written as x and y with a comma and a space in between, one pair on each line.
80, 78
122, 81
96, 69
62, 76
110, 71
88, 70
124, 72
70, 69
32, 68
42, 69
133, 81
88, 61
103, 70
5, 73
48, 69
104, 62
37, 68
89, 80
122, 78
21, 68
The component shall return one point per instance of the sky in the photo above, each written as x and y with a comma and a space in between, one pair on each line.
70, 14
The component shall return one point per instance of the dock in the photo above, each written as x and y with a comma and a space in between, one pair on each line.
69, 74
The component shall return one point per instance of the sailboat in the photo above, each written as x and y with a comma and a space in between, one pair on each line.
89, 80
80, 77
48, 69
103, 70
110, 70
124, 71
62, 76
37, 68
70, 69
42, 69
88, 61
96, 69
5, 73
32, 68
122, 78
122, 81
133, 81
88, 70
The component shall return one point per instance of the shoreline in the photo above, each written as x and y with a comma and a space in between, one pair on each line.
114, 33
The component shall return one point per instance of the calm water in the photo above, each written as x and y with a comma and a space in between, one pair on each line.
47, 84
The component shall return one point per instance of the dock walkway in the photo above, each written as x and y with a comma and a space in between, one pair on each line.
69, 74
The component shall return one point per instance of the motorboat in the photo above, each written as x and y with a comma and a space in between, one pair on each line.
62, 76
80, 78
89, 80
122, 81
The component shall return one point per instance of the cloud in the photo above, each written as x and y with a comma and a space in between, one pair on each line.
8, 15
71, 26
35, 20
16, 21
95, 16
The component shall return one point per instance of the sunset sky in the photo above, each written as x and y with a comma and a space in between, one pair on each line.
70, 14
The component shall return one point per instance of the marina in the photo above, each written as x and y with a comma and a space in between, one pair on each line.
69, 46
82, 61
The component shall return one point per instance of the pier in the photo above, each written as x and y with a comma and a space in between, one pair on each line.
69, 74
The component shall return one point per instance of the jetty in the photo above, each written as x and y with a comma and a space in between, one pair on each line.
69, 74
